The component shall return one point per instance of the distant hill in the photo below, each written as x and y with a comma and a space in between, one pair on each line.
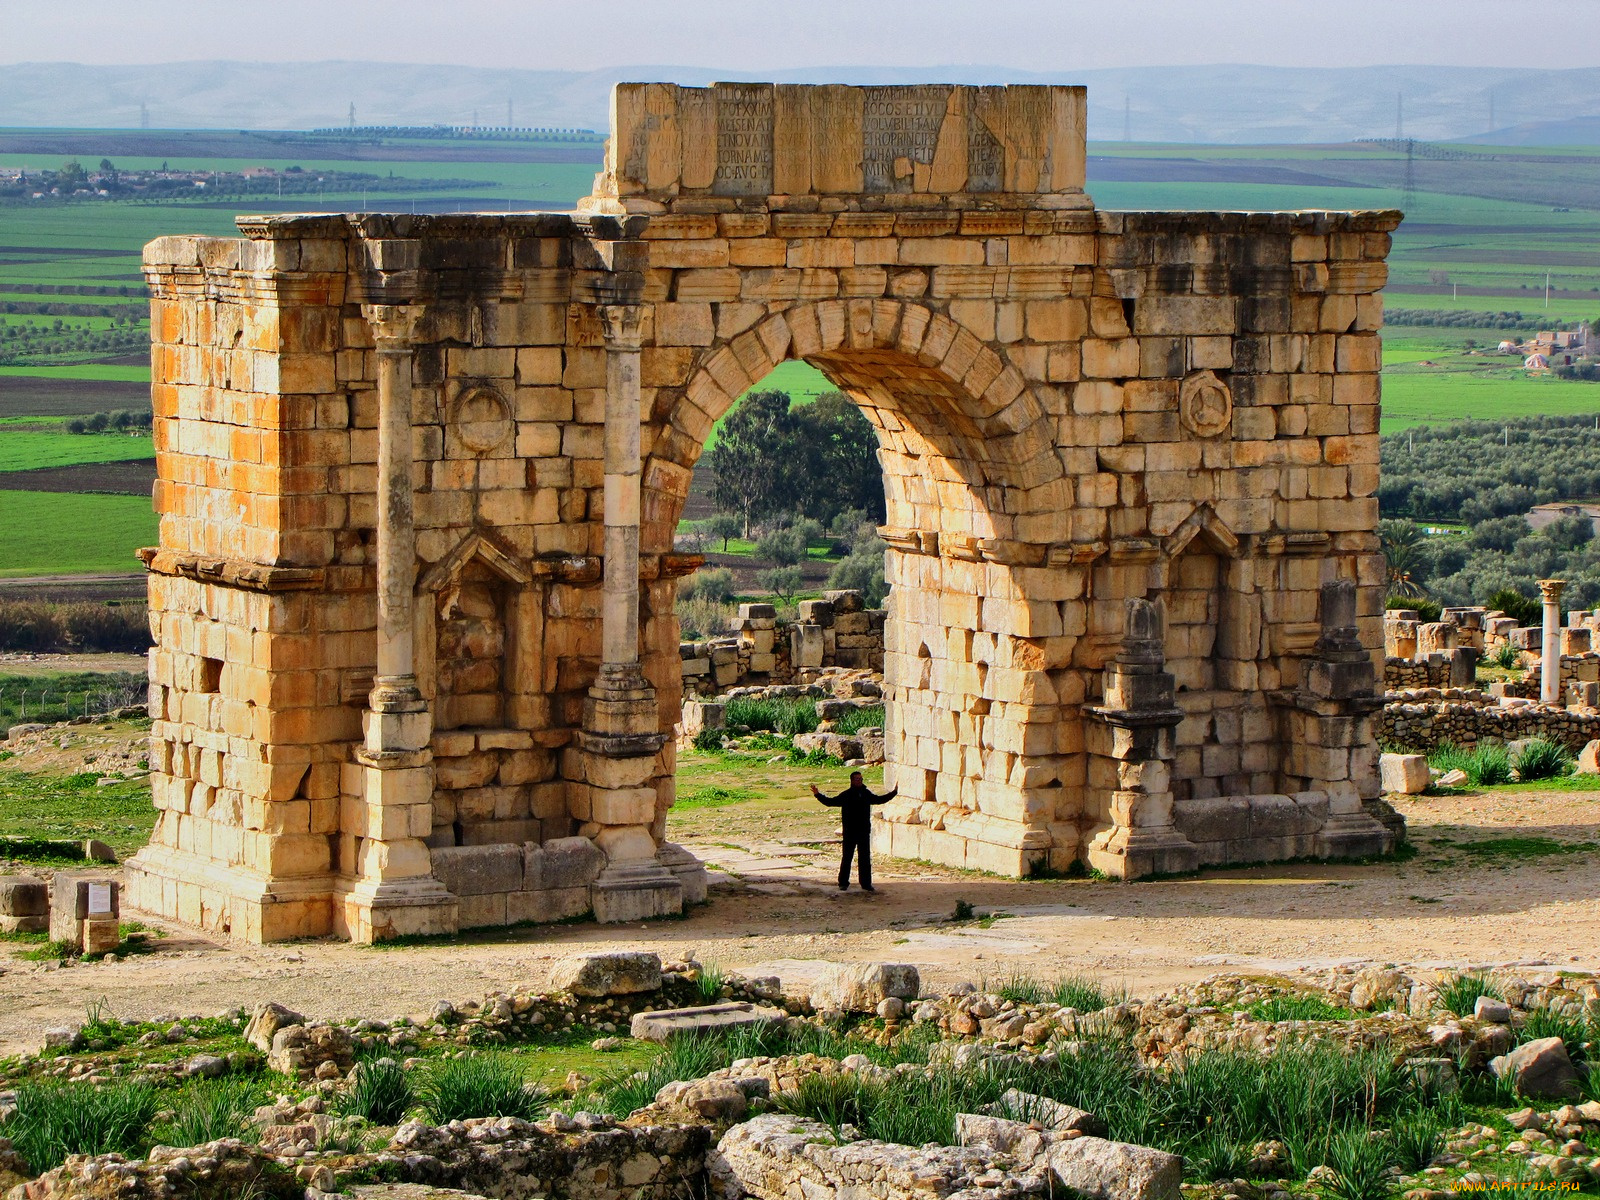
1161, 104
1570, 131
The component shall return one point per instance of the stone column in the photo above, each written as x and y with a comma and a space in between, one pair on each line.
616, 796
1331, 744
1136, 728
394, 891
1550, 662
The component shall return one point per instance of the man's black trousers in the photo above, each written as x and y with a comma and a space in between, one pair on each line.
858, 842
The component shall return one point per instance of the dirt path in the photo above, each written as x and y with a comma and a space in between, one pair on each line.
1451, 904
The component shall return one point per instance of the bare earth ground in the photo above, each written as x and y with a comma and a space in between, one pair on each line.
779, 911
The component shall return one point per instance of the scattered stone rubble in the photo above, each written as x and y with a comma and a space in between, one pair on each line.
719, 1136
838, 631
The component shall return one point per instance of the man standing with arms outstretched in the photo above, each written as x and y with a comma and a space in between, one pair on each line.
855, 814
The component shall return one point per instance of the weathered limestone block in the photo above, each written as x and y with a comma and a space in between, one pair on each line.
479, 870
300, 1050
1406, 774
266, 1022
861, 987
1540, 1068
1090, 1166
75, 901
662, 1025
778, 1157
622, 973
24, 904
562, 863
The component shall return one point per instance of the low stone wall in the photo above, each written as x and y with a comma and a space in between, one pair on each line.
836, 631
1422, 719
836, 696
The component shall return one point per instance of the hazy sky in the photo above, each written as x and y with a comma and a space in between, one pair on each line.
752, 34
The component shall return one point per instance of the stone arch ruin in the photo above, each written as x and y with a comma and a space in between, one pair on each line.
416, 663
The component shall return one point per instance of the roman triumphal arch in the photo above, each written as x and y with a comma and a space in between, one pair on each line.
417, 665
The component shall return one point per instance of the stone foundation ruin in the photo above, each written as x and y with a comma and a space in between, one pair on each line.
417, 665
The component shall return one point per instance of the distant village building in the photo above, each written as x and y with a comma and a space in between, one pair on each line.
1542, 515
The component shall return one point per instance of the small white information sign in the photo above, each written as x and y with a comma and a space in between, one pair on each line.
99, 899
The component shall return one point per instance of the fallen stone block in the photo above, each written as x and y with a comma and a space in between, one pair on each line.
1406, 774
1046, 1113
861, 987
1487, 1008
1589, 758
24, 904
1108, 1170
781, 1157
623, 973
269, 1018
661, 1025
1540, 1069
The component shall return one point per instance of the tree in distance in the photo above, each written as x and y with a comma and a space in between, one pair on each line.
815, 460
724, 525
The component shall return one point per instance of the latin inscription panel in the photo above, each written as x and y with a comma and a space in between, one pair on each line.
744, 140
899, 123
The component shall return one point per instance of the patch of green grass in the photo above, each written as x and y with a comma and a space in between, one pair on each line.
1071, 991
61, 695
1301, 1007
712, 796
772, 715
869, 716
66, 533
480, 1085
54, 1120
710, 982
73, 807
1508, 849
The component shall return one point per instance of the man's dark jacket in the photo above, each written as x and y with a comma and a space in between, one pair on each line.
855, 807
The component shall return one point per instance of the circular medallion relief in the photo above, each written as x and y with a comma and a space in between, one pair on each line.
1205, 405
481, 419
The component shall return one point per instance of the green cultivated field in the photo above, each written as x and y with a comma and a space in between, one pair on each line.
66, 533
29, 451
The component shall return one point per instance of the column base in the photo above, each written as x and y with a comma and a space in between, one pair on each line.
224, 898
369, 911
636, 891
1353, 835
690, 871
1136, 853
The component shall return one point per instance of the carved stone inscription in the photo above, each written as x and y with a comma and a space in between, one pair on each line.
899, 126
744, 140
986, 157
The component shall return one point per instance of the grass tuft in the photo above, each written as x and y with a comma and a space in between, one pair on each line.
480, 1085
1542, 759
787, 716
1460, 992
1360, 1160
382, 1092
213, 1109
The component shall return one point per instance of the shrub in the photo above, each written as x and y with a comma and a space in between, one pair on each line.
1506, 656
382, 1092
1426, 609
53, 1120
715, 585
1541, 758
1460, 992
46, 628
1574, 1030
700, 617
214, 1109
782, 582
480, 1085
1513, 603
709, 741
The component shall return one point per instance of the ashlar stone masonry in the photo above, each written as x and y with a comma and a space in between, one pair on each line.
417, 665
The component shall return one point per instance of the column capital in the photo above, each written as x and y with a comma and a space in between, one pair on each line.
1551, 589
394, 326
623, 325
